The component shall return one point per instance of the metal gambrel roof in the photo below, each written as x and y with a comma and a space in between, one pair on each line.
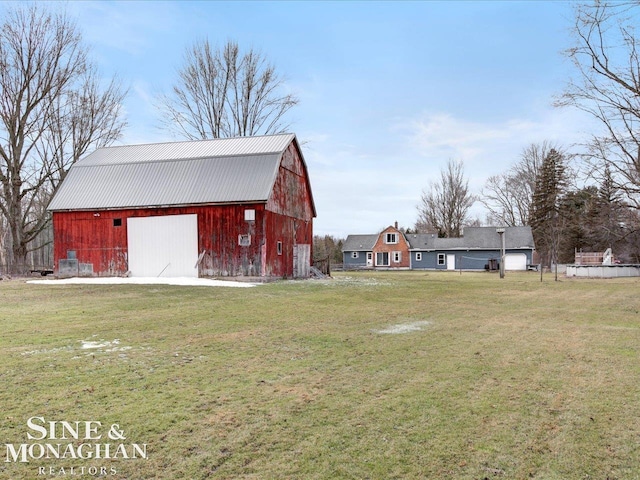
209, 171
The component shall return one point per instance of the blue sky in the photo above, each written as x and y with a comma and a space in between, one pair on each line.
389, 91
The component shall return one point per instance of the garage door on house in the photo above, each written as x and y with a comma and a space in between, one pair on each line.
515, 261
163, 246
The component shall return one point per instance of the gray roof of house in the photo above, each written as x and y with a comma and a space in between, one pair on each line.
227, 170
359, 243
475, 238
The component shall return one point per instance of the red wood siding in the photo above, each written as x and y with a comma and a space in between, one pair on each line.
291, 194
95, 239
290, 231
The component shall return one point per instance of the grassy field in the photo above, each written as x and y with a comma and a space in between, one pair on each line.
484, 378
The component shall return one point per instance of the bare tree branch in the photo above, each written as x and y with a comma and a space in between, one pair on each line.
221, 93
52, 110
445, 206
606, 56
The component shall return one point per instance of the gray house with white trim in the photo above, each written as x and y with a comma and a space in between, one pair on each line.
478, 249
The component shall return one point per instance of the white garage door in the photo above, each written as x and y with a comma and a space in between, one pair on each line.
515, 261
165, 246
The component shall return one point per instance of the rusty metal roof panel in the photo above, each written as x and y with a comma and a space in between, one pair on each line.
181, 173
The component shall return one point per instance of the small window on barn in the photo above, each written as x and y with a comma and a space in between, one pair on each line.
279, 248
250, 215
442, 260
391, 238
418, 256
244, 240
117, 222
354, 254
397, 257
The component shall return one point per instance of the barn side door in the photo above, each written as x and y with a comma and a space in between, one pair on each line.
301, 261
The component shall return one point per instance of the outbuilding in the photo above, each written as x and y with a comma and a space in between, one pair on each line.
225, 207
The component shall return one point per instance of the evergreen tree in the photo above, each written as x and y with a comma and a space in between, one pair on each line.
545, 216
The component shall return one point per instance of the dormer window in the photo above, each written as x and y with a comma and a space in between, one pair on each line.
391, 238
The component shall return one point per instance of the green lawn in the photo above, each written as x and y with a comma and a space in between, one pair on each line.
509, 378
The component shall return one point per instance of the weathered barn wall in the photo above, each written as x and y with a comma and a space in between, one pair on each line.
96, 240
219, 229
289, 215
100, 238
291, 194
92, 238
289, 232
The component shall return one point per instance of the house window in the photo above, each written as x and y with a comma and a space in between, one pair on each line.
442, 259
418, 256
397, 257
117, 222
354, 254
250, 215
244, 240
382, 259
279, 248
391, 238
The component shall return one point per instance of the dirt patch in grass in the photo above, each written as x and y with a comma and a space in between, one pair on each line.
401, 328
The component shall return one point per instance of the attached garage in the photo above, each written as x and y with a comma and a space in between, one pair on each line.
163, 246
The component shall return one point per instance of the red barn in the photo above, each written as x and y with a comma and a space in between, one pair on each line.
225, 207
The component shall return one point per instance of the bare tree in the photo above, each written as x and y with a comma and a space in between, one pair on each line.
52, 110
223, 93
607, 58
508, 197
445, 206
